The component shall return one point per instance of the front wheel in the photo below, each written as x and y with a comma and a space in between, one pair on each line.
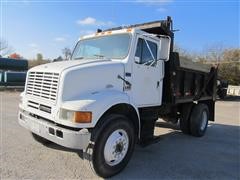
114, 142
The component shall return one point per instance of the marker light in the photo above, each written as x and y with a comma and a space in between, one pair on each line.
129, 30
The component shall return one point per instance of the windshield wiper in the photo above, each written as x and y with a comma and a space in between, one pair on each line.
77, 58
99, 55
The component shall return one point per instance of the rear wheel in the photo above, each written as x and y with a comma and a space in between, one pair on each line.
114, 142
40, 139
199, 120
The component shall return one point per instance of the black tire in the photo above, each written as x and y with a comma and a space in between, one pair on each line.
40, 139
184, 119
199, 120
107, 126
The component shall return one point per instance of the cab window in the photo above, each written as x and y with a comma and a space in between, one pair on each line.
146, 50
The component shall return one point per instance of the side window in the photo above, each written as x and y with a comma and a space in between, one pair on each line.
143, 51
139, 48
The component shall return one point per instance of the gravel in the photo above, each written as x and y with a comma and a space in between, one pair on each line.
175, 156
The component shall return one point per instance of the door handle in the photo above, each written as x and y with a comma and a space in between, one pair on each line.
158, 84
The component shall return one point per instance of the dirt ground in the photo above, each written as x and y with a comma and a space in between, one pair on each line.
175, 156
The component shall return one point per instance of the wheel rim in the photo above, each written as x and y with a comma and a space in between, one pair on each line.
204, 120
116, 147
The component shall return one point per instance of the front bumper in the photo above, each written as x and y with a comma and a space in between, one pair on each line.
75, 139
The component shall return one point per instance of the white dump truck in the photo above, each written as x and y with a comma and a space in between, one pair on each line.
107, 97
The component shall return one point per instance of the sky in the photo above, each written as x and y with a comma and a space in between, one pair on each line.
41, 26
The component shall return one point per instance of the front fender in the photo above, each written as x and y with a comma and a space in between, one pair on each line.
97, 103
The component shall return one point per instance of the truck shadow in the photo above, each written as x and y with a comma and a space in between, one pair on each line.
61, 148
180, 156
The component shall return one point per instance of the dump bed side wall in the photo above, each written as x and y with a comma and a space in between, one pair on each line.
183, 85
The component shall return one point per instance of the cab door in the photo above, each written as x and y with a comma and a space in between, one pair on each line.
147, 73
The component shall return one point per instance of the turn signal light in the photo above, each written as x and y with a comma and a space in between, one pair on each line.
82, 117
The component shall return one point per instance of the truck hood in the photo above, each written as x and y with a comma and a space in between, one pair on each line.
90, 77
60, 66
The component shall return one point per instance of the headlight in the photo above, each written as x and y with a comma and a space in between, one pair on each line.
76, 116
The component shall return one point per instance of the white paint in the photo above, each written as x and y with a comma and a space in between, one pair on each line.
93, 85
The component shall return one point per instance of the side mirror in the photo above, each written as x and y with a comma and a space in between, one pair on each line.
164, 48
137, 60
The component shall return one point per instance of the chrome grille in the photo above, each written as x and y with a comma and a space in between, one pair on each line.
43, 84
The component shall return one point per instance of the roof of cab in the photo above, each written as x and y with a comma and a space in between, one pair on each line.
105, 33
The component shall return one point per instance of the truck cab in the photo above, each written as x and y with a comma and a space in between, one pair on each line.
106, 98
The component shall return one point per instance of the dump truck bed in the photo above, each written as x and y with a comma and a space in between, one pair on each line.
188, 64
186, 81
155, 27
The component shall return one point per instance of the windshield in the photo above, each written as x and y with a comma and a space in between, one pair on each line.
112, 46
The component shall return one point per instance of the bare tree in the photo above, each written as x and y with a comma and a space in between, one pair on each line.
232, 55
180, 50
5, 49
15, 56
215, 52
67, 53
39, 57
229, 68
